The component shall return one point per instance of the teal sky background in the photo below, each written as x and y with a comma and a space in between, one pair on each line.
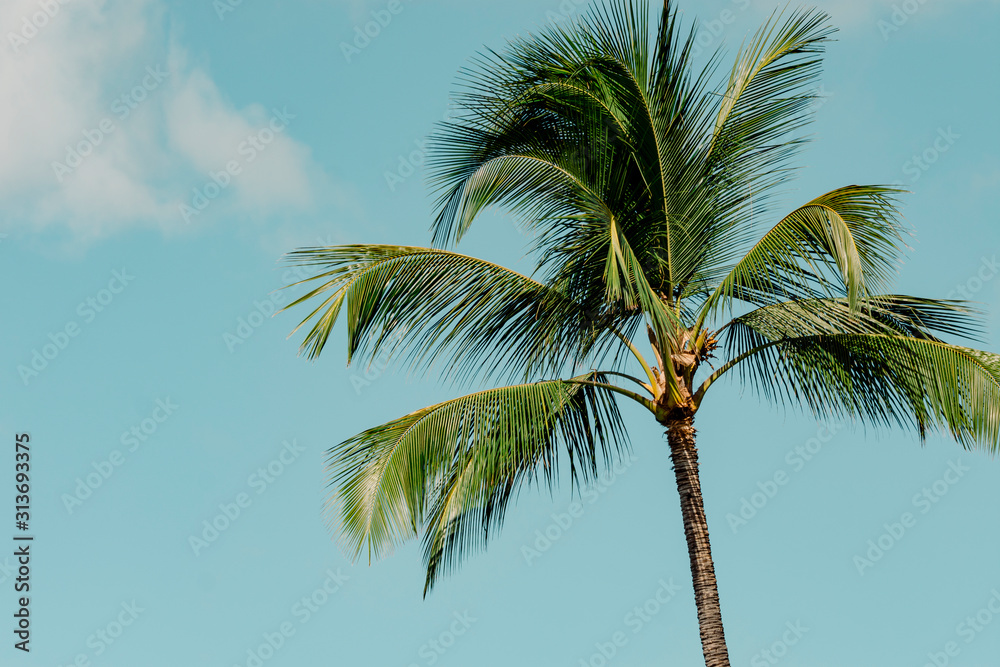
172, 333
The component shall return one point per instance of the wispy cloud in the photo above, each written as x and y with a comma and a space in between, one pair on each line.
108, 124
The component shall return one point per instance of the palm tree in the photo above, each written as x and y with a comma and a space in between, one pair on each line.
645, 186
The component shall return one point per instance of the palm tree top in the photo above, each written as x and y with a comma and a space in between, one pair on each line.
647, 184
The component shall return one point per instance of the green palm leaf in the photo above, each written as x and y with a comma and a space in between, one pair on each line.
883, 378
425, 305
452, 467
770, 87
585, 140
893, 314
846, 242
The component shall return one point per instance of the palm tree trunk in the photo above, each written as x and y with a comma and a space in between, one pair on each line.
684, 454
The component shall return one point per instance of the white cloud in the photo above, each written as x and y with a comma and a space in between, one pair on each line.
89, 66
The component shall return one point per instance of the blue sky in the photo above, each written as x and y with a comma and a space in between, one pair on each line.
162, 380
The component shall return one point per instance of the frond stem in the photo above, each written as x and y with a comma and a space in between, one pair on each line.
633, 379
710, 380
653, 384
638, 398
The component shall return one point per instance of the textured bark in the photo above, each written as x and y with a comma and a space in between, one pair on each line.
684, 454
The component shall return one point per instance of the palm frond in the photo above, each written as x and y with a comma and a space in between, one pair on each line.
769, 97
755, 134
891, 314
586, 133
451, 468
844, 243
895, 373
424, 305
